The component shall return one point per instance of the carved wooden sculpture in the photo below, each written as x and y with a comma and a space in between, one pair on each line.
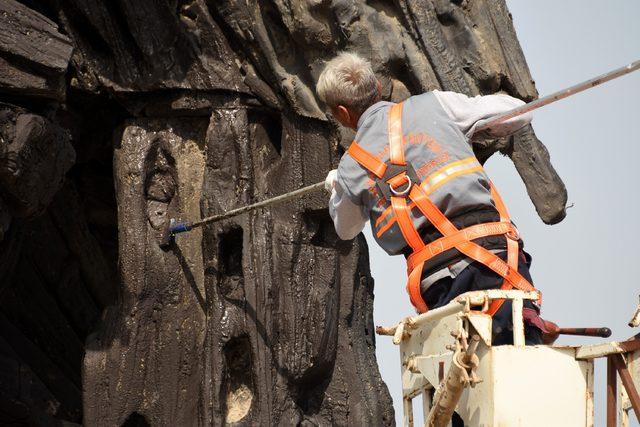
197, 107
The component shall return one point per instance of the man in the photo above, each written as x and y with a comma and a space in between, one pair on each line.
412, 173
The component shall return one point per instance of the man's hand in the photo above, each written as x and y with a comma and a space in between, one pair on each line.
330, 180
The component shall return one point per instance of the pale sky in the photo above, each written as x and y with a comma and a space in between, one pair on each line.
587, 266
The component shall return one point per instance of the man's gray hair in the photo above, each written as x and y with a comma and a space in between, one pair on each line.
348, 80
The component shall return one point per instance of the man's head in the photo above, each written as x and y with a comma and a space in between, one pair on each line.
348, 86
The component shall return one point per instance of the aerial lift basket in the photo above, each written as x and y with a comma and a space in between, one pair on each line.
448, 360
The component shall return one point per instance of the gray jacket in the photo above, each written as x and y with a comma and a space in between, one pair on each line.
438, 151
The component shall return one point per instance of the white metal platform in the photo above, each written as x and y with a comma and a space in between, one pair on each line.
527, 386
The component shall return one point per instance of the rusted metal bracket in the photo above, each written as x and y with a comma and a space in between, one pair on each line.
617, 360
617, 364
612, 394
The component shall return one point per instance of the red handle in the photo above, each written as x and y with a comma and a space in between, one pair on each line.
587, 332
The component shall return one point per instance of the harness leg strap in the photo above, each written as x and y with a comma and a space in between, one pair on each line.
468, 248
414, 291
512, 247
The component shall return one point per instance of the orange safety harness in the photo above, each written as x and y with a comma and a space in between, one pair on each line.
398, 181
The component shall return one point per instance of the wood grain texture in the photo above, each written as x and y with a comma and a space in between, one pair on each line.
119, 115
34, 55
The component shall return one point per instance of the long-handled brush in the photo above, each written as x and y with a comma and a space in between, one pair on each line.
175, 227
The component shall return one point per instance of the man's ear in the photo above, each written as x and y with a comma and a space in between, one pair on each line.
343, 115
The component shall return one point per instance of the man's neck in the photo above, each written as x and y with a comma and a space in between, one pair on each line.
366, 113
354, 124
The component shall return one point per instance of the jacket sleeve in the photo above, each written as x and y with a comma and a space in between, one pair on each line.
470, 112
348, 218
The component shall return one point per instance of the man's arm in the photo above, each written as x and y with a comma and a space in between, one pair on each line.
470, 112
348, 218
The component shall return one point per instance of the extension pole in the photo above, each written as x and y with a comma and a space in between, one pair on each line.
175, 228
561, 94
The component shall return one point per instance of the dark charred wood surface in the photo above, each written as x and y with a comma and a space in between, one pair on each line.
116, 116
33, 54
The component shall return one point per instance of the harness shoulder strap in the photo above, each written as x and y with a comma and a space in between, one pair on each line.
399, 208
396, 143
399, 202
367, 160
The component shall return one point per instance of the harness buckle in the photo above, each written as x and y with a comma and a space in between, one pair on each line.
513, 234
403, 192
387, 190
